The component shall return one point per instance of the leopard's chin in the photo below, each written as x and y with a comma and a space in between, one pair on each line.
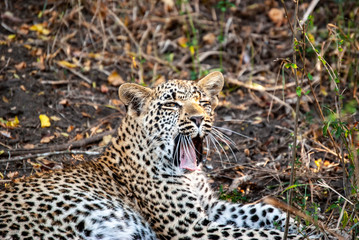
188, 154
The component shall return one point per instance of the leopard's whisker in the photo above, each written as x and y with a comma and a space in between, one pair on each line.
207, 147
211, 138
223, 137
237, 133
224, 151
189, 145
227, 143
193, 146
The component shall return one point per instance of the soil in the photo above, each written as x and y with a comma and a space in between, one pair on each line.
82, 103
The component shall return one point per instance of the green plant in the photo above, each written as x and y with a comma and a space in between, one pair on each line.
234, 196
337, 117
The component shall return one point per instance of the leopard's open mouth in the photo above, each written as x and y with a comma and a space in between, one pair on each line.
188, 152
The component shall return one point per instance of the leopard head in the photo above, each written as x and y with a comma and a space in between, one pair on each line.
176, 115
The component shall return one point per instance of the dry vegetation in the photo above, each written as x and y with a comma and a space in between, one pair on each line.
289, 85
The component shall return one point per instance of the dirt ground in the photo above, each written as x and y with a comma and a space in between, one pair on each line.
66, 59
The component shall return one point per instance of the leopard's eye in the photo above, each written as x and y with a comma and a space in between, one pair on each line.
196, 98
171, 105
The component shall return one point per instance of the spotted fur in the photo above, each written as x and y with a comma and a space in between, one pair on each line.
137, 189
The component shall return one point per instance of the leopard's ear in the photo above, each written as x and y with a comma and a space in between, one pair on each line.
133, 96
212, 83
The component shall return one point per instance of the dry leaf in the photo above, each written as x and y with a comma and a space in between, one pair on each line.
78, 137
70, 128
20, 66
209, 38
103, 88
47, 164
311, 38
78, 157
276, 15
257, 120
35, 165
149, 49
116, 102
5, 134
99, 9
94, 55
87, 66
12, 175
29, 146
127, 47
13, 122
55, 118
65, 134
66, 64
45, 121
169, 4
182, 41
5, 100
47, 139
86, 114
85, 84
134, 63
318, 163
105, 140
23, 29
115, 79
40, 29
64, 102
40, 64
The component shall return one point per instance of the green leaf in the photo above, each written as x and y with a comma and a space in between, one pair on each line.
293, 65
307, 92
331, 207
325, 128
287, 65
299, 91
345, 219
293, 186
310, 77
220, 38
322, 60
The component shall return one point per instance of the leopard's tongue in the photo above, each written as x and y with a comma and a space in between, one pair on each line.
188, 157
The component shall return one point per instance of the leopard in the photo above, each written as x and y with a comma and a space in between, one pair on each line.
148, 183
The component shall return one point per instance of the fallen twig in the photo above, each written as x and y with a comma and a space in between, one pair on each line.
54, 148
19, 158
260, 88
309, 11
123, 26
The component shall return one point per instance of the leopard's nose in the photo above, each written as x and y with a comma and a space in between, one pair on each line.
197, 119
